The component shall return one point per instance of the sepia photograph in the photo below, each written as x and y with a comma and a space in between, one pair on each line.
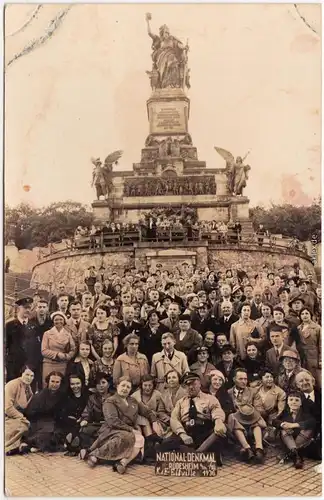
162, 250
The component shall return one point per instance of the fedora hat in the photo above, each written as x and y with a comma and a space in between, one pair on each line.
294, 298
247, 415
290, 353
236, 288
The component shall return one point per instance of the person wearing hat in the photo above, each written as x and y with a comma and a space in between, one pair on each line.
58, 346
202, 322
246, 424
288, 368
238, 298
228, 364
187, 339
22, 342
170, 290
283, 295
296, 302
296, 427
99, 297
194, 419
150, 335
168, 359
202, 367
310, 299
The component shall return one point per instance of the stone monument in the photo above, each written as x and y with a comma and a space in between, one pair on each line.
169, 172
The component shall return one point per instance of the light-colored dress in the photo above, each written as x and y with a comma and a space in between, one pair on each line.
53, 342
17, 397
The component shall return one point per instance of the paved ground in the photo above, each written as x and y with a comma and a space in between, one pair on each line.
56, 475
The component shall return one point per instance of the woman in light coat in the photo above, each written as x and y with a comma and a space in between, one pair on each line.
18, 393
131, 364
310, 344
58, 346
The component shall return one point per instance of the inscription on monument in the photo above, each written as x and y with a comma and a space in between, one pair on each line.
168, 117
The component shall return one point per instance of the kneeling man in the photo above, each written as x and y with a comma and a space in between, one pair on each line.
197, 420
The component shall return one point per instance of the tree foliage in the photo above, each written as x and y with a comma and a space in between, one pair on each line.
301, 222
30, 227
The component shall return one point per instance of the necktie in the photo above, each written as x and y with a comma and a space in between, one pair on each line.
25, 322
170, 355
277, 353
192, 409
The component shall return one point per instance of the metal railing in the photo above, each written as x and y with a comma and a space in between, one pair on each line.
103, 241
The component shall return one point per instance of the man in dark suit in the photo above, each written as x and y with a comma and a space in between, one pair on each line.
42, 322
22, 341
312, 404
276, 336
201, 321
226, 319
126, 326
170, 290
256, 304
172, 321
61, 290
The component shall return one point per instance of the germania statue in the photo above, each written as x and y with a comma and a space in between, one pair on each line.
101, 175
170, 57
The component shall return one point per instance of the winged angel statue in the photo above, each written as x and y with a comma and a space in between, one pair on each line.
237, 171
101, 175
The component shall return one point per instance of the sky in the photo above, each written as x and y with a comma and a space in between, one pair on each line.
255, 86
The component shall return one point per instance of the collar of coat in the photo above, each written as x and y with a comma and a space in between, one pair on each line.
78, 359
124, 357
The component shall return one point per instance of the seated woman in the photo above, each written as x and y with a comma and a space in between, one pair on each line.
131, 364
42, 413
81, 365
288, 368
17, 395
119, 439
106, 363
172, 391
253, 362
70, 413
228, 365
202, 367
151, 398
58, 346
296, 428
92, 416
273, 397
217, 388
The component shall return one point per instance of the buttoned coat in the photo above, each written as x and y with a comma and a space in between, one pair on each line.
161, 365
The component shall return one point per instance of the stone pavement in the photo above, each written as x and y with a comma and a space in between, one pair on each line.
56, 475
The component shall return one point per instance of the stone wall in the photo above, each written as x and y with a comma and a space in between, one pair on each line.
70, 268
254, 259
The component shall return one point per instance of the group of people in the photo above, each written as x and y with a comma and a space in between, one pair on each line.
121, 367
155, 229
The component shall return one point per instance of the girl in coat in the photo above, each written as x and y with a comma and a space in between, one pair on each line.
92, 416
81, 365
273, 397
153, 400
296, 428
132, 363
18, 393
58, 346
173, 391
119, 439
